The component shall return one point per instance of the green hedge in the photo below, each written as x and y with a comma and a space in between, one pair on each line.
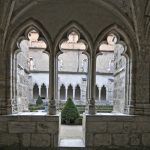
69, 113
39, 101
99, 108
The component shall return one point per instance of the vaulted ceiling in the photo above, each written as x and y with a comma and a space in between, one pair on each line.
94, 15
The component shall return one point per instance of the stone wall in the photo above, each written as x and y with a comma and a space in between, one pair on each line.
22, 132
120, 79
119, 132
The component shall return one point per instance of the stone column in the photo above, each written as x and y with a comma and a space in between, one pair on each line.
107, 94
66, 92
92, 78
99, 94
74, 93
9, 87
52, 82
39, 90
58, 93
3, 89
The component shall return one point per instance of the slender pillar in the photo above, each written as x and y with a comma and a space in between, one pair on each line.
99, 94
66, 93
52, 82
74, 93
92, 77
39, 90
107, 94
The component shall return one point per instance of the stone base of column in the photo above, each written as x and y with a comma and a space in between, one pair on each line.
52, 110
130, 110
5, 109
91, 109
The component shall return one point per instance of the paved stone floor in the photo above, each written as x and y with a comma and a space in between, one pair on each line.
71, 136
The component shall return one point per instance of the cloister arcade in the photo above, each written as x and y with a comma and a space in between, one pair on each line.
95, 52
109, 60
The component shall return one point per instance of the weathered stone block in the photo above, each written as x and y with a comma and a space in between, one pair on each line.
146, 139
24, 118
102, 139
26, 138
54, 118
143, 127
47, 127
115, 127
96, 127
3, 127
89, 140
21, 127
120, 139
38, 118
8, 139
129, 127
135, 139
40, 140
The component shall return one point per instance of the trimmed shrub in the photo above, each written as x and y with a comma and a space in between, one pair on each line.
69, 113
39, 101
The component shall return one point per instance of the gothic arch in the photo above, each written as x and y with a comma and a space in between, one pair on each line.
62, 92
116, 29
73, 25
21, 31
35, 91
103, 92
43, 91
131, 59
70, 91
17, 33
77, 92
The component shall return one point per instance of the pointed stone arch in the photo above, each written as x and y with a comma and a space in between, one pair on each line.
70, 91
103, 93
43, 91
62, 92
77, 92
129, 39
130, 61
73, 25
22, 29
17, 33
35, 91
62, 34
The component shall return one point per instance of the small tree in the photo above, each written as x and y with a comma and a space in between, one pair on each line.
39, 101
70, 112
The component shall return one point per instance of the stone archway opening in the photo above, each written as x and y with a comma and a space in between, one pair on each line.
103, 93
77, 93
70, 91
30, 69
72, 67
35, 91
62, 92
111, 73
43, 91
